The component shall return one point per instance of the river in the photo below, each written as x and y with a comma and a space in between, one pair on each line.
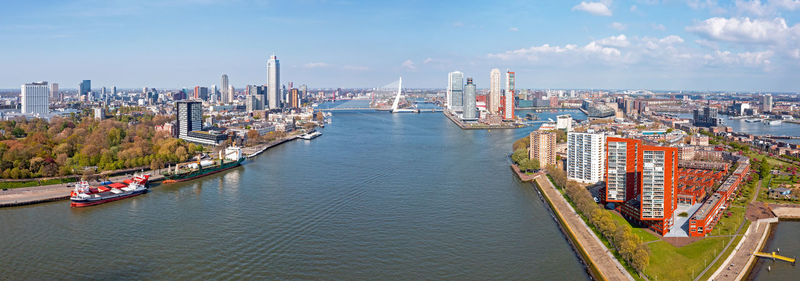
783, 238
379, 196
758, 129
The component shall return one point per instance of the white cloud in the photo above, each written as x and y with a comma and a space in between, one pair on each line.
427, 61
710, 5
315, 65
621, 50
409, 65
618, 26
458, 24
634, 8
615, 41
745, 30
595, 8
659, 27
514, 29
766, 8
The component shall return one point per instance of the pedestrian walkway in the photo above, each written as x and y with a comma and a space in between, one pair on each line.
739, 261
597, 254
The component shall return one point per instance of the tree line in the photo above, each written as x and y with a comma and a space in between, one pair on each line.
629, 246
69, 145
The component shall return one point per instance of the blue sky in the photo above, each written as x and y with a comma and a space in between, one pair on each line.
650, 44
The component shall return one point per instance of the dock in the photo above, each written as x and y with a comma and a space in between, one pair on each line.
48, 193
774, 256
464, 126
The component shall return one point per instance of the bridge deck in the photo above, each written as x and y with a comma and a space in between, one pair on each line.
774, 256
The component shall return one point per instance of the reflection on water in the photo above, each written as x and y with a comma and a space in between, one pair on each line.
379, 196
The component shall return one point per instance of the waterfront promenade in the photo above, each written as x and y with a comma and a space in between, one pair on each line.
739, 262
597, 256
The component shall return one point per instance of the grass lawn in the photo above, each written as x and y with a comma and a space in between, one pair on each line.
727, 253
670, 263
641, 232
34, 183
772, 161
728, 225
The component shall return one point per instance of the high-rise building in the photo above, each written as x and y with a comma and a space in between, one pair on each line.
114, 91
200, 93
226, 97
508, 108
34, 98
707, 117
494, 92
470, 108
585, 157
294, 98
642, 178
190, 117
54, 94
215, 92
85, 88
622, 169
231, 94
766, 103
274, 82
455, 91
543, 147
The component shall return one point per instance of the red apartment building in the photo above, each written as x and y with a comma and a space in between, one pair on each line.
642, 179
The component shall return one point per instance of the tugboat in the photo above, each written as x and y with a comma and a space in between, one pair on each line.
231, 157
84, 195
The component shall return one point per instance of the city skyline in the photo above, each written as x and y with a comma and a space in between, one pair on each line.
660, 45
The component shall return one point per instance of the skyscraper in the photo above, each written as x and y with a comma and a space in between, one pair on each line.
470, 106
585, 157
226, 97
54, 94
231, 94
274, 82
190, 117
455, 91
34, 98
508, 108
766, 103
85, 88
200, 93
494, 92
642, 179
543, 147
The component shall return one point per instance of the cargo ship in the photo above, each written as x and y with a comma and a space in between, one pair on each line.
85, 195
230, 157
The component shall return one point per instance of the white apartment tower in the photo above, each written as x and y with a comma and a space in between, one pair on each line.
226, 98
585, 157
494, 91
34, 98
455, 91
274, 82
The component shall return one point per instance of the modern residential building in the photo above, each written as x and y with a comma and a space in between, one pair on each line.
493, 99
585, 157
642, 179
226, 97
455, 91
470, 108
708, 117
99, 114
508, 108
54, 94
85, 89
274, 82
34, 98
231, 93
189, 117
766, 103
543, 147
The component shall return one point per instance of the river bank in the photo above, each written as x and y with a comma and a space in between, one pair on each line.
478, 126
602, 264
55, 192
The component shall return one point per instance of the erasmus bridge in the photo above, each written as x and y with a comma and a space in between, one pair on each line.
395, 89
